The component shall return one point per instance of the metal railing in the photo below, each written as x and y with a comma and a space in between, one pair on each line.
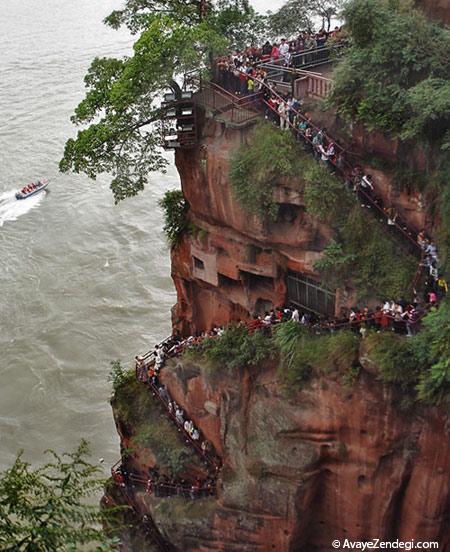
144, 520
231, 107
306, 58
343, 170
160, 488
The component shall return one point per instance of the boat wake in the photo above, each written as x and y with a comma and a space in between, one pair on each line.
11, 209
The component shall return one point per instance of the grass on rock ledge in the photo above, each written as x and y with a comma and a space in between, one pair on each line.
141, 413
418, 367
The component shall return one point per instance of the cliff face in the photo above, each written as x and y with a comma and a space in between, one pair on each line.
436, 9
235, 265
329, 462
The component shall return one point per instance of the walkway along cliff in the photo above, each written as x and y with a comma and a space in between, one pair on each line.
270, 470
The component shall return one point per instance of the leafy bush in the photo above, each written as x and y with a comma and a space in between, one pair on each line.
441, 180
236, 348
48, 508
369, 257
154, 436
335, 264
175, 215
303, 353
257, 167
392, 355
379, 268
420, 365
431, 348
118, 376
394, 75
325, 196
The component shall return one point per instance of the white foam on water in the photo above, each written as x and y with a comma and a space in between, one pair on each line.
11, 208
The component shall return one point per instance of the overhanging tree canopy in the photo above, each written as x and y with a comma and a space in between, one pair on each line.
122, 97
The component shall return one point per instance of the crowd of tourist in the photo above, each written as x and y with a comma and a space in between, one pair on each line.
399, 316
242, 71
148, 368
305, 49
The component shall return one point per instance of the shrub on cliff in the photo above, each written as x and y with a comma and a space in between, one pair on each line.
236, 348
369, 256
420, 365
175, 215
142, 420
440, 182
119, 376
431, 349
304, 353
258, 166
325, 196
392, 355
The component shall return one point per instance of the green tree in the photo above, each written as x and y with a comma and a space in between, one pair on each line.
298, 15
431, 348
394, 75
236, 348
44, 509
326, 197
290, 19
121, 105
175, 219
258, 166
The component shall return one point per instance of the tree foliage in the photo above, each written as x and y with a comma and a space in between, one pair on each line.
304, 353
119, 376
258, 166
335, 264
236, 349
175, 219
121, 105
379, 267
324, 193
419, 365
298, 15
394, 75
431, 348
45, 510
147, 427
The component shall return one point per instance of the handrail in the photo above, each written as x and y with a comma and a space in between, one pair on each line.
144, 520
366, 196
338, 147
236, 100
315, 54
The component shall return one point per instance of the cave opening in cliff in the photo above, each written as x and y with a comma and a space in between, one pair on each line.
227, 282
310, 295
256, 281
288, 212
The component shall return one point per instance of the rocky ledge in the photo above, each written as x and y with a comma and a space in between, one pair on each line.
333, 460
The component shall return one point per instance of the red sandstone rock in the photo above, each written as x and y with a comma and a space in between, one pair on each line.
328, 463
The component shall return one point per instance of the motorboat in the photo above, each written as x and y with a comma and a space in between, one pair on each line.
32, 189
